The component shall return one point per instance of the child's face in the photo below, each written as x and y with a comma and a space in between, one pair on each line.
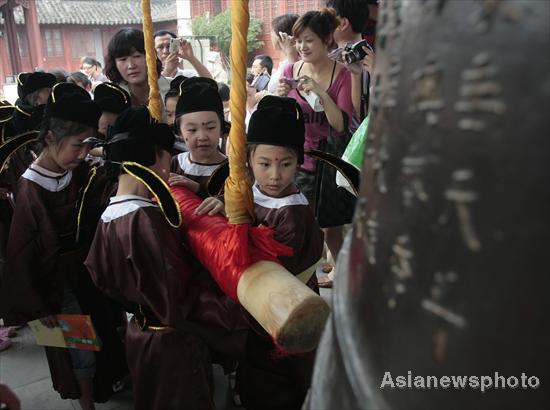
69, 152
42, 96
201, 133
274, 169
106, 119
170, 110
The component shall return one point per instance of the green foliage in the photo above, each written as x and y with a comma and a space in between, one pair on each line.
219, 26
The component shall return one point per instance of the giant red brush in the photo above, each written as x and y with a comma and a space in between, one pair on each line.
239, 256
243, 260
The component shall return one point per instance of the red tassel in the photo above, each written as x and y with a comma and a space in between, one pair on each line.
225, 250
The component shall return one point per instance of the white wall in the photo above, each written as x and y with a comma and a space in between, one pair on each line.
183, 12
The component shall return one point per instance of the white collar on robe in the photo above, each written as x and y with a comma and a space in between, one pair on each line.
124, 204
276, 203
52, 181
194, 168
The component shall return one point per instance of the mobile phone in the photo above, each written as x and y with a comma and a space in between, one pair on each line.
260, 82
292, 82
175, 44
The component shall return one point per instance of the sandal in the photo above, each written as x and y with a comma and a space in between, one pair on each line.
325, 282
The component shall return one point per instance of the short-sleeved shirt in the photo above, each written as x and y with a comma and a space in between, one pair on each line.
164, 87
316, 123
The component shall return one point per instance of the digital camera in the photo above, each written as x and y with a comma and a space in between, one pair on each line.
355, 52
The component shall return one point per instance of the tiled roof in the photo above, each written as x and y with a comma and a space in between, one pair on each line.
105, 13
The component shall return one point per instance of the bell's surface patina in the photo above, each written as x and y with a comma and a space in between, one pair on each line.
446, 272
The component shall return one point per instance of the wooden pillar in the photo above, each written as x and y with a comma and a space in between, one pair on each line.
33, 34
11, 33
67, 52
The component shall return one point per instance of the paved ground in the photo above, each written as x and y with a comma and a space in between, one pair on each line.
24, 368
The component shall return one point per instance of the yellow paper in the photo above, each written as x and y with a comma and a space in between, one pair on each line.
46, 336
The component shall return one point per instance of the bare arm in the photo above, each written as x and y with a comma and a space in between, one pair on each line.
288, 45
356, 91
202, 71
181, 180
171, 65
186, 52
366, 66
335, 116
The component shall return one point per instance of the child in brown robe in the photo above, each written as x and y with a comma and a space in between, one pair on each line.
137, 257
33, 90
44, 273
199, 117
112, 99
276, 148
200, 121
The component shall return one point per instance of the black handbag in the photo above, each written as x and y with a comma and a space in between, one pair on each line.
334, 206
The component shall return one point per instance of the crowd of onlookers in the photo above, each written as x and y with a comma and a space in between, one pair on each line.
332, 90
326, 58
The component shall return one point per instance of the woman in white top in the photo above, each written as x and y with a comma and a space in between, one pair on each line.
125, 65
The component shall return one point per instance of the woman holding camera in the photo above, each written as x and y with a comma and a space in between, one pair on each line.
317, 73
331, 82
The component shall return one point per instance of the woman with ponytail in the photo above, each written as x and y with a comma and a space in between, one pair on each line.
317, 73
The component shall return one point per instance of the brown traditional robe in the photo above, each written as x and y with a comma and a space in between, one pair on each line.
6, 213
15, 166
266, 381
43, 258
183, 165
139, 260
24, 119
219, 320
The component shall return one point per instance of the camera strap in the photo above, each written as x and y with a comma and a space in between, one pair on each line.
365, 94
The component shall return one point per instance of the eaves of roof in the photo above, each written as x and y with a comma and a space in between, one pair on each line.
100, 13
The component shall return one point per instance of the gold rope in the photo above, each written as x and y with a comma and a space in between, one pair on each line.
239, 204
151, 55
91, 177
